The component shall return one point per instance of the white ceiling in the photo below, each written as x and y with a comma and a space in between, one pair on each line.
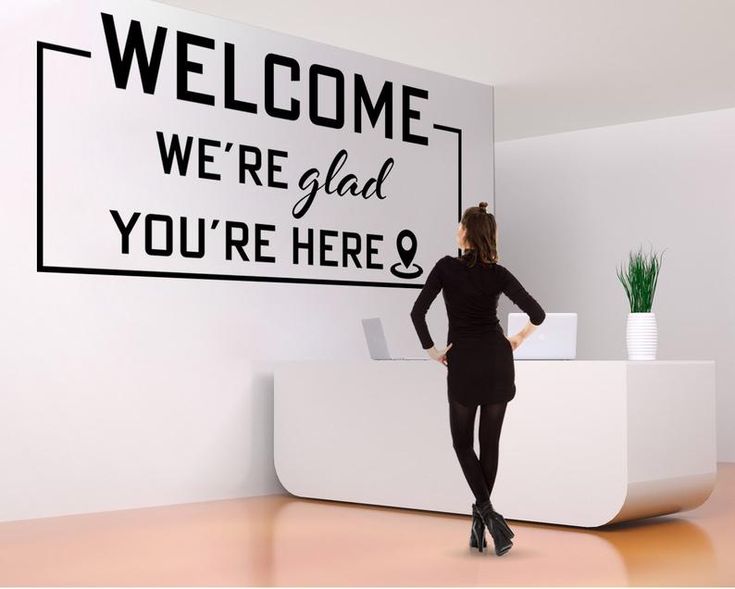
557, 65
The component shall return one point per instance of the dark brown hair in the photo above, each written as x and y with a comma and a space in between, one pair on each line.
480, 230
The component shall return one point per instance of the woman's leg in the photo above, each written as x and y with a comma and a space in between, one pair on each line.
462, 426
491, 422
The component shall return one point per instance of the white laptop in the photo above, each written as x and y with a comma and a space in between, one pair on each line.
377, 344
554, 339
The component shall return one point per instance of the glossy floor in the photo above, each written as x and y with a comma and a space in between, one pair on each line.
280, 540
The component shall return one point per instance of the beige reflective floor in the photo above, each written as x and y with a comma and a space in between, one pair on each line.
278, 540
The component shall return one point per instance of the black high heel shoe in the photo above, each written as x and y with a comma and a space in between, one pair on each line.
477, 535
502, 541
501, 521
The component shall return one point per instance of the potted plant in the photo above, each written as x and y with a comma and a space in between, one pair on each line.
639, 280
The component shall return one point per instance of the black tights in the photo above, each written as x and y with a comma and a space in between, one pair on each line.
480, 474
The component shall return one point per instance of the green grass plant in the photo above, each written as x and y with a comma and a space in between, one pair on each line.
639, 279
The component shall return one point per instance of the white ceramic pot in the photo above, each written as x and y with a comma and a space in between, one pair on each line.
641, 336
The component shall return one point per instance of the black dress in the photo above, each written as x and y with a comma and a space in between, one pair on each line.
480, 365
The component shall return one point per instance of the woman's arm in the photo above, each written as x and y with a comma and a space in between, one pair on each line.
514, 290
420, 307
527, 330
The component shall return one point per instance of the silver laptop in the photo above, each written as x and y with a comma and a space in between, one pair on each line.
554, 339
377, 344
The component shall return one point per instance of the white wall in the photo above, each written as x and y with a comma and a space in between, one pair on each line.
120, 392
571, 205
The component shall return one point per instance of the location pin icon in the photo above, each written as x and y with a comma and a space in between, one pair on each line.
406, 254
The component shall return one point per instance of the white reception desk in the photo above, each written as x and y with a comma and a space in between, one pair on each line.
584, 443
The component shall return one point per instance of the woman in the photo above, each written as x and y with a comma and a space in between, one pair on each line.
478, 357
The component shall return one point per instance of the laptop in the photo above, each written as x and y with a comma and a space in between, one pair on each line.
554, 339
377, 344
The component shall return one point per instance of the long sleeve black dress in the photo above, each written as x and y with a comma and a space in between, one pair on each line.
480, 365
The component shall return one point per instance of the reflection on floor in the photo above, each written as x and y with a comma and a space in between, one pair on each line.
281, 540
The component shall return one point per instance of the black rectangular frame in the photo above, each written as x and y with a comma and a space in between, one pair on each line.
42, 267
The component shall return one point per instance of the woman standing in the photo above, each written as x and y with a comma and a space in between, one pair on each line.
478, 357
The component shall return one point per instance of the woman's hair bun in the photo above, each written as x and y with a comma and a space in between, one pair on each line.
483, 205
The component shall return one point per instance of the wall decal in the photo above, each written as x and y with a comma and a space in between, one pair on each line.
175, 144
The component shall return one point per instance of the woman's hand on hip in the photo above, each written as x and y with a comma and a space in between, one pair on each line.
515, 340
439, 355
